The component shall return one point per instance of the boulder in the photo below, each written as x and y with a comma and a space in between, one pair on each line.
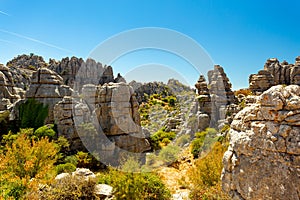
263, 158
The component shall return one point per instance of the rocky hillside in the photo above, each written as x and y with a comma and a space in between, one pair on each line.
98, 112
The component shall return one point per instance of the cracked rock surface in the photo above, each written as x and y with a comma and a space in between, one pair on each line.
263, 159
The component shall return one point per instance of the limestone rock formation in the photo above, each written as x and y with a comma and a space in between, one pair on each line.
7, 87
149, 89
85, 72
215, 98
275, 73
110, 110
263, 159
47, 87
31, 62
261, 82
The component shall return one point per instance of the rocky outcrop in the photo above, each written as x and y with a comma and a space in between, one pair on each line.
261, 82
9, 93
263, 159
275, 73
85, 72
47, 87
31, 62
149, 89
214, 99
110, 110
177, 87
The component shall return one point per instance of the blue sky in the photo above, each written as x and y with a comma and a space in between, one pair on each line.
238, 35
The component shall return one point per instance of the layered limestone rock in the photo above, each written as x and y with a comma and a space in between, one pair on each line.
118, 117
8, 92
106, 119
85, 72
263, 159
275, 73
261, 82
214, 98
65, 112
47, 87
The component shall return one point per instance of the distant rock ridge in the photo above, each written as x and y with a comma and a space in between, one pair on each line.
263, 159
22, 67
170, 89
275, 73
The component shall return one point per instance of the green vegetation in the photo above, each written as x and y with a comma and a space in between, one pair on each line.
4, 126
26, 163
45, 131
32, 114
167, 103
169, 153
161, 139
203, 140
182, 140
130, 185
205, 175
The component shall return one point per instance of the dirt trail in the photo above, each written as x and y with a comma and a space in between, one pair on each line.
176, 176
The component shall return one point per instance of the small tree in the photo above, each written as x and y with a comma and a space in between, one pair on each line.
25, 164
32, 114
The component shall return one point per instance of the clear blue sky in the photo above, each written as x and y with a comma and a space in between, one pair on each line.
239, 35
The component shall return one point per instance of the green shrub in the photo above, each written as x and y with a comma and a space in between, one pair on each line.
203, 140
158, 139
32, 114
182, 140
65, 168
129, 186
45, 131
205, 176
169, 153
4, 119
71, 159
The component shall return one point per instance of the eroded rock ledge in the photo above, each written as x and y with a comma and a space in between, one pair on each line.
263, 159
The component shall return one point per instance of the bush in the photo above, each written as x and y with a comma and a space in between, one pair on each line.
161, 138
203, 141
169, 153
25, 164
45, 131
65, 168
4, 119
205, 176
71, 187
32, 114
182, 140
129, 186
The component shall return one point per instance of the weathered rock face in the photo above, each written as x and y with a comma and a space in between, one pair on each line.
263, 159
85, 72
47, 87
275, 73
9, 94
214, 98
111, 109
261, 82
